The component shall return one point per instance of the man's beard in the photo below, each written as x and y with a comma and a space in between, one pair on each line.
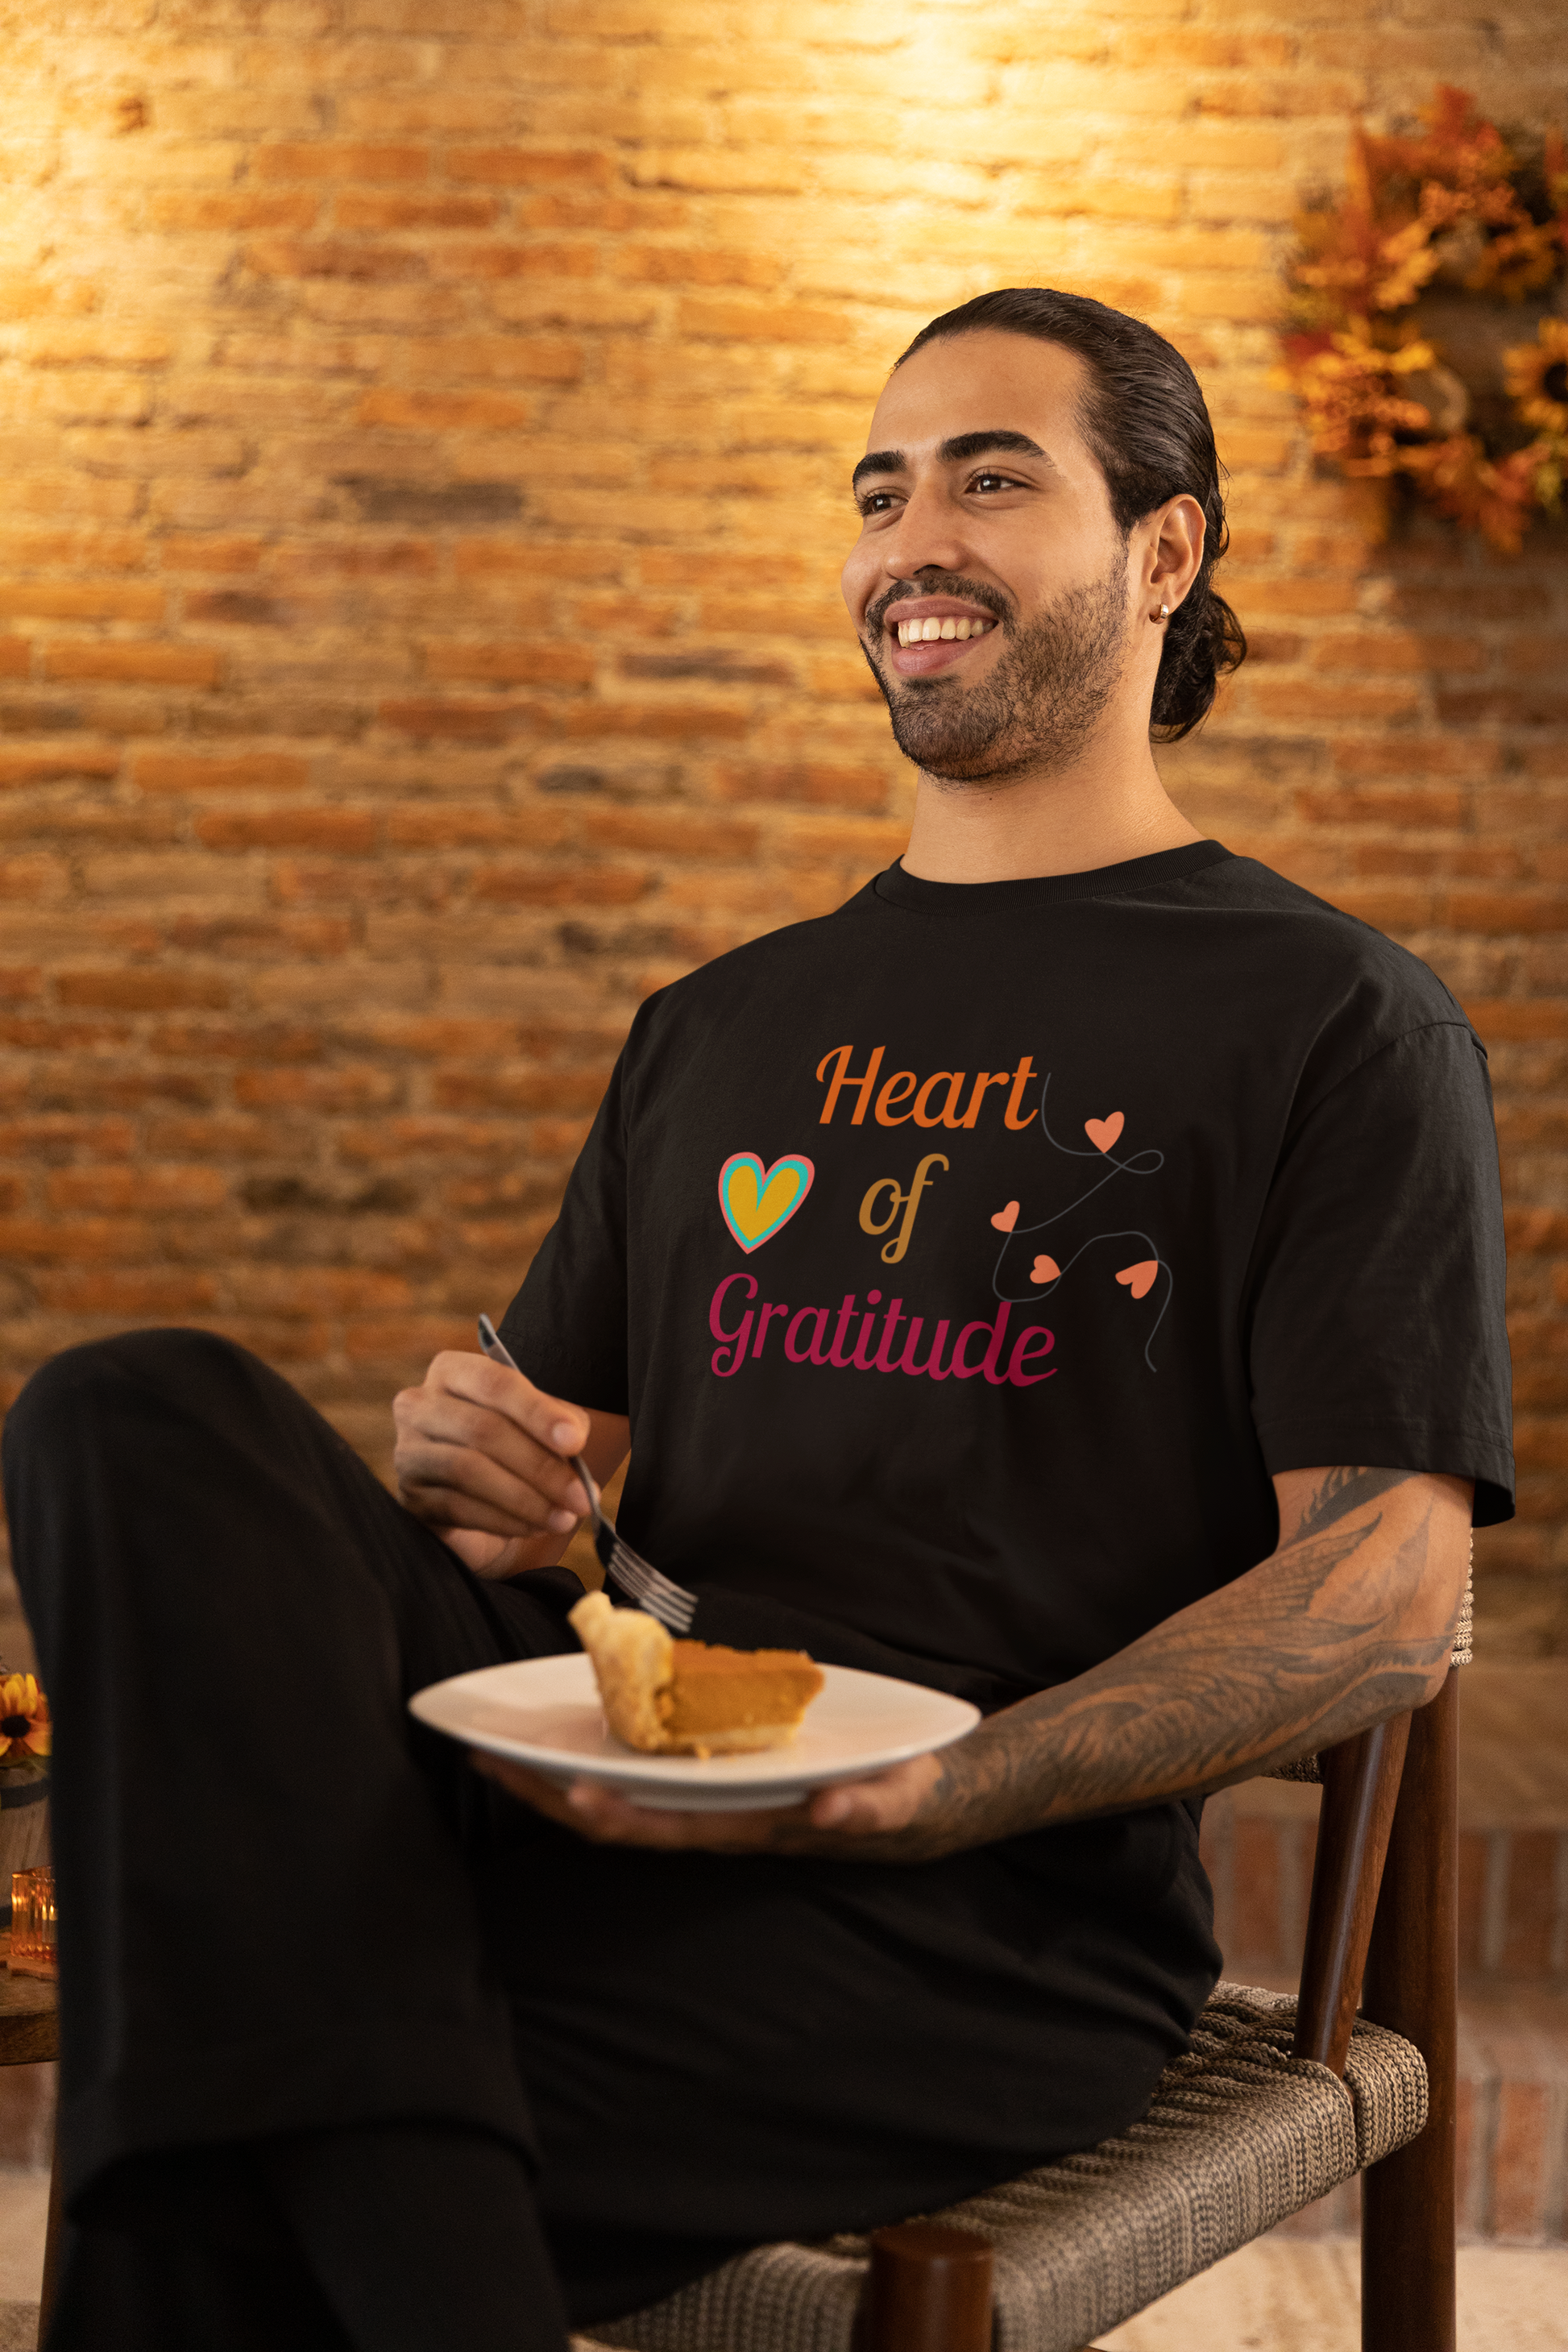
1042, 700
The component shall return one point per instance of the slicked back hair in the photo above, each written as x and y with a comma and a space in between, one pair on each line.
1147, 424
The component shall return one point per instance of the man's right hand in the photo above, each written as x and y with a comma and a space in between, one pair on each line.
481, 1458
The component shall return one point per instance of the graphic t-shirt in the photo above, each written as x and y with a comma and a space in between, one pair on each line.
966, 1261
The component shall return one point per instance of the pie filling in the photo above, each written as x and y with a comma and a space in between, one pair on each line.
694, 1698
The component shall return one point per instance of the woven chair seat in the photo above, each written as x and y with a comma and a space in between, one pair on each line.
1239, 2135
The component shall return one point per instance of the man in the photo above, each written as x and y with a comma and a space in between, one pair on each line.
1139, 1199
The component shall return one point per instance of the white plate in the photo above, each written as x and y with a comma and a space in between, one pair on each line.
545, 1712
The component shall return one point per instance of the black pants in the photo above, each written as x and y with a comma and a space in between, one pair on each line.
288, 1909
273, 1881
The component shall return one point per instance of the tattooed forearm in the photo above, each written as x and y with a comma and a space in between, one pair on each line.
1349, 1622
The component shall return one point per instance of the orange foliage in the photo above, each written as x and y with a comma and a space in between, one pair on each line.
1445, 207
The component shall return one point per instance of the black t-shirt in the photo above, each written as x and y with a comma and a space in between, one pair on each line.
967, 1261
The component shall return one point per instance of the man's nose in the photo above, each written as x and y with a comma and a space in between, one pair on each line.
929, 537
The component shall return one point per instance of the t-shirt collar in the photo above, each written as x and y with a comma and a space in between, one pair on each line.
989, 899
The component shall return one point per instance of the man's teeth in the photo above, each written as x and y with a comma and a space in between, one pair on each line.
926, 633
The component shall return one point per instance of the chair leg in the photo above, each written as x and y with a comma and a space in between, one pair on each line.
51, 2252
1412, 1986
927, 2290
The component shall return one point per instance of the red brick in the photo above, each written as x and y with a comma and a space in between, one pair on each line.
290, 828
1320, 703
208, 552
414, 212
147, 1188
823, 784
664, 721
85, 1240
327, 256
538, 658
245, 208
337, 159
251, 772
82, 600
480, 722
157, 665
141, 991
587, 885
1506, 910
529, 167
522, 1090
479, 558
1520, 1017
1416, 810
1521, 2159
676, 832
451, 824
156, 1291
43, 762
340, 1089
439, 412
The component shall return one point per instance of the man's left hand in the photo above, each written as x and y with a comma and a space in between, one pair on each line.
884, 1818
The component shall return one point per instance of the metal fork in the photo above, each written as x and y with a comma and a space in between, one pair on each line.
638, 1578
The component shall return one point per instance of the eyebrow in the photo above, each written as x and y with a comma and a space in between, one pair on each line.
950, 452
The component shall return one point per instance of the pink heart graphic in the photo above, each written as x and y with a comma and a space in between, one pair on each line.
1045, 1269
1102, 1132
1005, 1219
1139, 1278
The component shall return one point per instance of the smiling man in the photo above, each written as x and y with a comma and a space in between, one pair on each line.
1069, 1276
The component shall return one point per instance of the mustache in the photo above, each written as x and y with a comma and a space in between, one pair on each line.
944, 584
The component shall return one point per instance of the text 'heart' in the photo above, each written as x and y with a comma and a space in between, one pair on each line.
1045, 1269
756, 1201
1139, 1278
1102, 1132
1005, 1219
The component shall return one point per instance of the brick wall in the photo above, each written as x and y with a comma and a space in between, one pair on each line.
425, 430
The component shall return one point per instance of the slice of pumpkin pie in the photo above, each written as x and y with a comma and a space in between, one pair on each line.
690, 1699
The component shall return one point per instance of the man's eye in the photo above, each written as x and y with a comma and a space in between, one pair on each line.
989, 482
875, 502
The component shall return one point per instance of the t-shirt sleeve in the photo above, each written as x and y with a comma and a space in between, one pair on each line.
566, 1328
1375, 1292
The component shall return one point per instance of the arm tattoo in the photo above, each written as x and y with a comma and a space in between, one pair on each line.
1302, 1651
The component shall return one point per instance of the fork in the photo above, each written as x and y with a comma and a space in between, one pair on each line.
638, 1578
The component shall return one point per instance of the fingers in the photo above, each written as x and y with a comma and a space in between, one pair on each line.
479, 1446
604, 1818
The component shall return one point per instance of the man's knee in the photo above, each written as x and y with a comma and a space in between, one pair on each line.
56, 1402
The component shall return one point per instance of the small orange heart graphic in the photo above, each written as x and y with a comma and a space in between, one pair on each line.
1045, 1269
1005, 1219
1102, 1132
1139, 1278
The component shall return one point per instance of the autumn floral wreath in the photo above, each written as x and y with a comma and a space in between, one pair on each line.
1451, 213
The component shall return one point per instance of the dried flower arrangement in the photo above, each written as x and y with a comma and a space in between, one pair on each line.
26, 1734
1394, 378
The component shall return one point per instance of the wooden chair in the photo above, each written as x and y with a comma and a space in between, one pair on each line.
1278, 2101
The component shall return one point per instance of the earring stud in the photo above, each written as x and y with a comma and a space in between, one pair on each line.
1164, 611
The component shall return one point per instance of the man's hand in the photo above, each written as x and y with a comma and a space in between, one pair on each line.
886, 1819
481, 1458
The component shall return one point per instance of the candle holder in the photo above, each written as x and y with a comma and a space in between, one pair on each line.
32, 1952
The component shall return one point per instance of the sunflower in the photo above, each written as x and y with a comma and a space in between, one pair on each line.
1538, 376
24, 1727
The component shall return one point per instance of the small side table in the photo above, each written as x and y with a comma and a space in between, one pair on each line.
29, 2036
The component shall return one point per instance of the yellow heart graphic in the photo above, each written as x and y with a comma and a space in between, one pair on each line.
756, 1201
